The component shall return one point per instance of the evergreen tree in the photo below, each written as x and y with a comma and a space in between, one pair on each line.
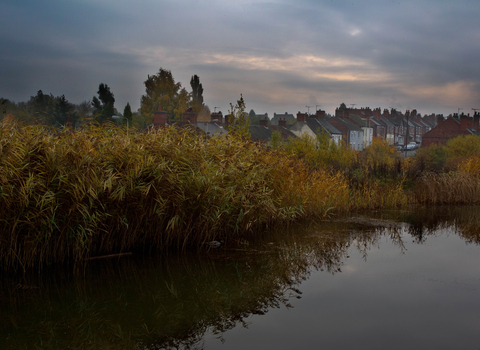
103, 105
63, 109
197, 90
127, 113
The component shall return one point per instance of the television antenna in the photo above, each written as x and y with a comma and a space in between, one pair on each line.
215, 109
475, 110
316, 107
459, 110
352, 104
308, 109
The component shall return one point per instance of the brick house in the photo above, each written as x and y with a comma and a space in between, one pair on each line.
450, 128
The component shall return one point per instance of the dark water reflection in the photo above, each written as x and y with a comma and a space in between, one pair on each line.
392, 280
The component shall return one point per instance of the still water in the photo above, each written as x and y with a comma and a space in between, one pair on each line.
387, 280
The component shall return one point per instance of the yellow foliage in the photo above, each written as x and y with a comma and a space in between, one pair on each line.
463, 146
321, 151
380, 153
471, 165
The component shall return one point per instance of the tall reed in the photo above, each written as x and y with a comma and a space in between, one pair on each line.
69, 195
448, 188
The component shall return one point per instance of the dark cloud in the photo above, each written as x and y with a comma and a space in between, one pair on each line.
279, 54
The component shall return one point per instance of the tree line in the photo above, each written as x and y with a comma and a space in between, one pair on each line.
162, 92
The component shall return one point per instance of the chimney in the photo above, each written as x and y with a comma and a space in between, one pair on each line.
160, 118
301, 117
321, 114
440, 119
264, 122
463, 122
217, 118
377, 113
282, 122
190, 116
476, 118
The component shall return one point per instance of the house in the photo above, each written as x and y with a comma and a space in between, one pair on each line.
390, 130
365, 124
264, 131
289, 118
351, 134
450, 128
314, 125
215, 127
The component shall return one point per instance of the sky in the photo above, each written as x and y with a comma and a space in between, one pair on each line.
281, 55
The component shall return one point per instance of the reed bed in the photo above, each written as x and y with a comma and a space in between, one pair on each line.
448, 188
66, 196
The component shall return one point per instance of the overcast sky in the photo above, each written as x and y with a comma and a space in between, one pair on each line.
282, 55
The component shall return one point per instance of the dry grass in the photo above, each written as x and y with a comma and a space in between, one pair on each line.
67, 196
448, 188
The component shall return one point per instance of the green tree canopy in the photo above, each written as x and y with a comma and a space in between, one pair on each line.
63, 109
161, 91
103, 105
238, 119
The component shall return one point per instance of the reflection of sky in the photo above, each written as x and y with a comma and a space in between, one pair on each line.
426, 298
281, 54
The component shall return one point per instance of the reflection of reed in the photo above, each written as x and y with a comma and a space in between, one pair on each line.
168, 302
173, 301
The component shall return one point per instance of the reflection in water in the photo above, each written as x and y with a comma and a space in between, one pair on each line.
173, 301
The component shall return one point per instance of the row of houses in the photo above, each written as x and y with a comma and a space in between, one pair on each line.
356, 127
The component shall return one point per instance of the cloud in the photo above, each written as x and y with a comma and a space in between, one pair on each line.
279, 54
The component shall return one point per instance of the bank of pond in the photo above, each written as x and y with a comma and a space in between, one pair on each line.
391, 279
69, 196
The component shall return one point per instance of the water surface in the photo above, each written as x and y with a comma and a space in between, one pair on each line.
389, 280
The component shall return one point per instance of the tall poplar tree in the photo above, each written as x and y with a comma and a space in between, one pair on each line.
197, 90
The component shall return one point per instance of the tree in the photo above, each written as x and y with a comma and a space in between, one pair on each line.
161, 91
127, 113
343, 106
84, 111
63, 109
197, 90
103, 105
238, 119
205, 114
254, 120
276, 139
42, 107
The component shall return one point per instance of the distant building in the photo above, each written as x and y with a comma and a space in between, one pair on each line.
289, 118
450, 128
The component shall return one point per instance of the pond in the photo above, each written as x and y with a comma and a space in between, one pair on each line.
386, 280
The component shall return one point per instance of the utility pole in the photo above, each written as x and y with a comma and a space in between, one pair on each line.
406, 138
